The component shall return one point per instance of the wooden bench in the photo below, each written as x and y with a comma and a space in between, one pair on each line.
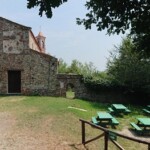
127, 111
110, 110
146, 111
115, 121
112, 135
94, 120
135, 126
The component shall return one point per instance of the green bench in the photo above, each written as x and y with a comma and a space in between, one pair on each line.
112, 135
146, 111
115, 121
94, 120
127, 111
110, 110
136, 127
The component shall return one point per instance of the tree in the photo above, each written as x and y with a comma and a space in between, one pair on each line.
120, 15
45, 5
88, 69
85, 69
127, 67
62, 67
76, 67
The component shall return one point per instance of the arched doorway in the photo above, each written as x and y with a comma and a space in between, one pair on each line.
70, 92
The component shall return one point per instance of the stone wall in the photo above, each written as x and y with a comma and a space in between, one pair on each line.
69, 79
113, 96
38, 72
14, 38
103, 96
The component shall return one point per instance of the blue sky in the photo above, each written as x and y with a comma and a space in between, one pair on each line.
64, 38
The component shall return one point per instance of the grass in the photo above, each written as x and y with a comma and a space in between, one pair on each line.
32, 111
70, 94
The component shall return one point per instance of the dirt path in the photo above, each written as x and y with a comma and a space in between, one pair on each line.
15, 138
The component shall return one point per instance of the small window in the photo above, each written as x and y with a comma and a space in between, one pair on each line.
42, 44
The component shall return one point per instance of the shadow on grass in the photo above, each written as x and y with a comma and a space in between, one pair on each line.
98, 105
145, 134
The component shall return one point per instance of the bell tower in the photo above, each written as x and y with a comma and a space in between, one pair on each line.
41, 41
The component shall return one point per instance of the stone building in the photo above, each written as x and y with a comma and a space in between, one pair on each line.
25, 68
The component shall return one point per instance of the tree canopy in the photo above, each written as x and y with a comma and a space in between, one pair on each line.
76, 67
118, 15
45, 6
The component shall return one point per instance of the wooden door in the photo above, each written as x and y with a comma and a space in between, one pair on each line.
14, 81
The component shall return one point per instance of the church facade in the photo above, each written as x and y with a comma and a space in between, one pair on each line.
25, 68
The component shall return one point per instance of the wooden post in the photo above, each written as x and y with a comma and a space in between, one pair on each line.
148, 146
106, 141
83, 132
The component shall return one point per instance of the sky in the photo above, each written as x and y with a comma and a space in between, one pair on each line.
64, 38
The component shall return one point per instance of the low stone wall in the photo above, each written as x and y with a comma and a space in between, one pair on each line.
103, 96
82, 92
113, 96
69, 79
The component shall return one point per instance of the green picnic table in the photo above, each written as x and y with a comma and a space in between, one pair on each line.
106, 118
120, 108
144, 122
142, 126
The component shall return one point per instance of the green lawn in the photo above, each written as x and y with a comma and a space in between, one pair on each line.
32, 112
